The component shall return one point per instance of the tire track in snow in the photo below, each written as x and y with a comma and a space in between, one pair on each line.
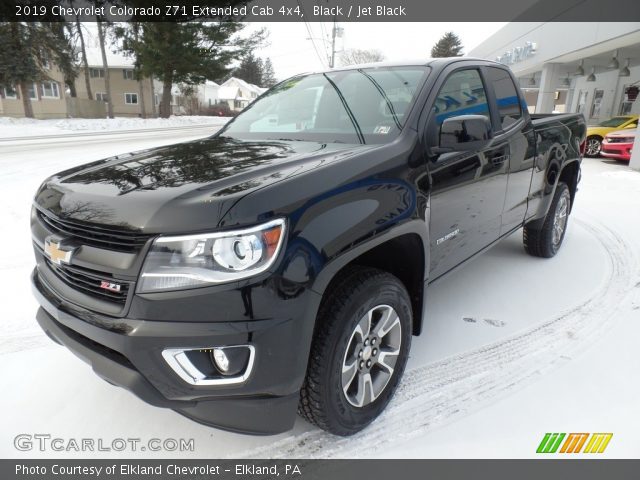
453, 387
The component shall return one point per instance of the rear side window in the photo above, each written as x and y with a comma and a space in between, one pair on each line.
461, 94
506, 96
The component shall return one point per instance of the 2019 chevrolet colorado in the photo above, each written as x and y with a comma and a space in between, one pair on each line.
282, 264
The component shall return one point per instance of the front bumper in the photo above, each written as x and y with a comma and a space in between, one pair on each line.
618, 151
127, 352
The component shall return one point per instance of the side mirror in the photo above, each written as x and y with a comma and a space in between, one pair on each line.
465, 133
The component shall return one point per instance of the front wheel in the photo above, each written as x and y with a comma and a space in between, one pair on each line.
593, 146
359, 352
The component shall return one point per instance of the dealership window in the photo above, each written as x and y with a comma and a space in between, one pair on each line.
582, 101
96, 72
50, 90
596, 104
131, 98
509, 107
9, 92
127, 74
102, 97
461, 94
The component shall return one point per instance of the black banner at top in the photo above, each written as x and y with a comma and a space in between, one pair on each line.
322, 10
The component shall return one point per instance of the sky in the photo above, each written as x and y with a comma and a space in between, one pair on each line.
292, 53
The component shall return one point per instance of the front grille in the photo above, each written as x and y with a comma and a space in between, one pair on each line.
620, 139
89, 282
95, 236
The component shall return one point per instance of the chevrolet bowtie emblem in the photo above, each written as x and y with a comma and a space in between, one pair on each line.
57, 253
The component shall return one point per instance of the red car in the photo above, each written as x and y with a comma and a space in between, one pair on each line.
618, 145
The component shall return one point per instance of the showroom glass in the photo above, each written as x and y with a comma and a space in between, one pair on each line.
614, 122
507, 98
461, 94
367, 105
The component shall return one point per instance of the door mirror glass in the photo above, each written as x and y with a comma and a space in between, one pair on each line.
465, 133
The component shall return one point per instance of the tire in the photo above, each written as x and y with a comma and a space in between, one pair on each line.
593, 147
546, 240
358, 298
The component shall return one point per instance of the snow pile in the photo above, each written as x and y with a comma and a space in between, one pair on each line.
29, 127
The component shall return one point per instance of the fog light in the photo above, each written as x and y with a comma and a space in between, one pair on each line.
221, 359
212, 365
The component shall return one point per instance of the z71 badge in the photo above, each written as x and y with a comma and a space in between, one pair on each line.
112, 287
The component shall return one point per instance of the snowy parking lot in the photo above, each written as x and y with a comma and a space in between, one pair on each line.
512, 347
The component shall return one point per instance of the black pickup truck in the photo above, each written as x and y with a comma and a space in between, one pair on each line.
283, 263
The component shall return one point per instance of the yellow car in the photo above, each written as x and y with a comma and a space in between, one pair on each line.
596, 133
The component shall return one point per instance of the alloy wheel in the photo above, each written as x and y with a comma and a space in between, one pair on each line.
371, 355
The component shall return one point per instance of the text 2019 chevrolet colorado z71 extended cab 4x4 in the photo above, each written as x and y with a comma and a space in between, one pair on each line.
281, 264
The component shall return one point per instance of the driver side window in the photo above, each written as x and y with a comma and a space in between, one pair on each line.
461, 94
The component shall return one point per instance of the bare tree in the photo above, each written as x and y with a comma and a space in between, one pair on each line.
83, 55
355, 56
107, 82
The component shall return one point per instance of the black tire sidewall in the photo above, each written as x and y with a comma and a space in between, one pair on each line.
346, 417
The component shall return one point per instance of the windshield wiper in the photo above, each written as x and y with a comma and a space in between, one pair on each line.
347, 109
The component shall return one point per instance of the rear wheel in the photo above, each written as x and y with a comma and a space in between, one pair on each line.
593, 146
545, 240
359, 351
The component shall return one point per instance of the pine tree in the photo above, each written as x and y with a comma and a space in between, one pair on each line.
250, 69
23, 56
448, 46
187, 52
268, 74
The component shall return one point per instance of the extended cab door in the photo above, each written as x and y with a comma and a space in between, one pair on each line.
514, 127
467, 188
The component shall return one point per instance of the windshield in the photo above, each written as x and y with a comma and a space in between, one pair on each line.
367, 105
614, 122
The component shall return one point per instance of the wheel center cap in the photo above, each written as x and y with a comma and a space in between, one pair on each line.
366, 353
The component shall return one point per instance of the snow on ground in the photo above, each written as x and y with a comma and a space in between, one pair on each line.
513, 346
29, 127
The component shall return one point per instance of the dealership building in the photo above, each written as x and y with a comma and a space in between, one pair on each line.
587, 67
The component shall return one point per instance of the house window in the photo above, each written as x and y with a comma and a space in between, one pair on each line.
237, 104
50, 90
10, 92
102, 97
96, 72
156, 99
131, 98
32, 92
127, 74
46, 64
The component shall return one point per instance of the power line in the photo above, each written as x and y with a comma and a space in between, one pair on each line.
313, 42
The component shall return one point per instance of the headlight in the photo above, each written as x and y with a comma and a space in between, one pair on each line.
189, 261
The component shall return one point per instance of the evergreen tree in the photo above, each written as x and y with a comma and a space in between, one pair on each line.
250, 69
448, 46
188, 52
23, 58
268, 74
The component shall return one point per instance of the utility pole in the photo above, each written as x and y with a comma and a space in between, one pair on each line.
333, 44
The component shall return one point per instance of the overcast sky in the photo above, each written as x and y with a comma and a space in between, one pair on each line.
291, 53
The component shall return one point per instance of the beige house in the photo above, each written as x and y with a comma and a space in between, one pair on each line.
47, 98
127, 93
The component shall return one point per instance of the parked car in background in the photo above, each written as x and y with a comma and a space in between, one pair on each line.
618, 145
596, 133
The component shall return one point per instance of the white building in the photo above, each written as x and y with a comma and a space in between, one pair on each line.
237, 93
588, 67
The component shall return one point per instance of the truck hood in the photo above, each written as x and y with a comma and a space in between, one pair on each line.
182, 187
